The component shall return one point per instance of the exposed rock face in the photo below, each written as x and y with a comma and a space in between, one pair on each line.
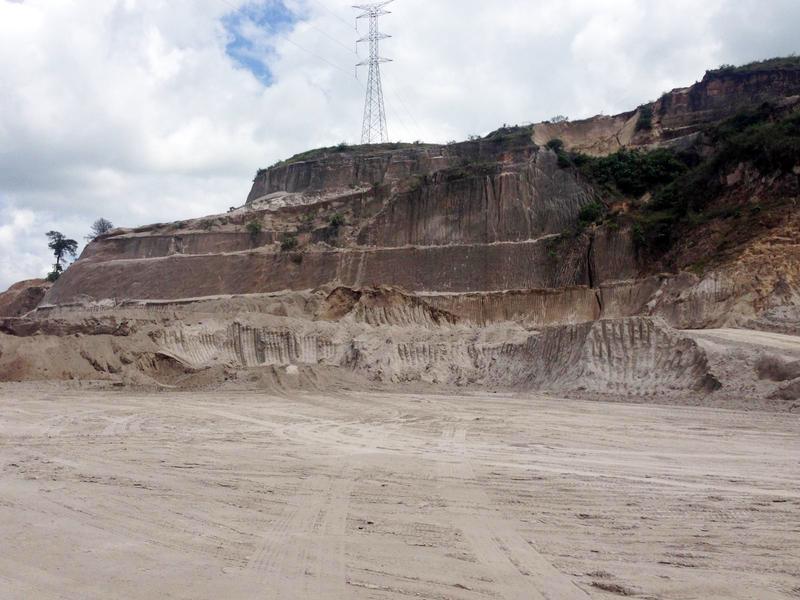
722, 94
464, 264
341, 170
677, 114
22, 297
478, 227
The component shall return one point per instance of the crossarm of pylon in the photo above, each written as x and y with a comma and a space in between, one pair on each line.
379, 59
369, 7
378, 36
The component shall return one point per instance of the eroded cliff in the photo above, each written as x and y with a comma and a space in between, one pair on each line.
555, 255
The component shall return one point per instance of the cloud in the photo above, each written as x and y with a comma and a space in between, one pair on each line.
143, 111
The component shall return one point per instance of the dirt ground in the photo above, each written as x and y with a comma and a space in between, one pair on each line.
387, 496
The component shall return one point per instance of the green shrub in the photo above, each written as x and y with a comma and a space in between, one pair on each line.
556, 145
289, 243
469, 169
254, 228
591, 213
631, 172
564, 161
752, 138
781, 63
645, 122
307, 220
337, 221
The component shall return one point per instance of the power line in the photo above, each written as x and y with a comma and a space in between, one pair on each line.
333, 39
330, 12
399, 98
280, 35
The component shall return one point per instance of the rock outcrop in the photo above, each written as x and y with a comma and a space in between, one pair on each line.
477, 263
682, 112
22, 297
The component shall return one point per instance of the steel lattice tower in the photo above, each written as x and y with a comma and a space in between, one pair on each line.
374, 128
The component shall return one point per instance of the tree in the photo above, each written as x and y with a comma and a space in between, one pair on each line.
62, 247
100, 227
559, 119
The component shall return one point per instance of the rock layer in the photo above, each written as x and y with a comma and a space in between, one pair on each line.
476, 263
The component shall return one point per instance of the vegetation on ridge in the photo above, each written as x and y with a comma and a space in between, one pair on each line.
779, 63
771, 147
668, 192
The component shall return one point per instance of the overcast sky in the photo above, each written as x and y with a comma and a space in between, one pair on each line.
145, 111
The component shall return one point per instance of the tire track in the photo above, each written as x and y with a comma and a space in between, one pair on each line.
518, 571
302, 553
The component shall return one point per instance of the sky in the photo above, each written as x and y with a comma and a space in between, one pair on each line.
144, 111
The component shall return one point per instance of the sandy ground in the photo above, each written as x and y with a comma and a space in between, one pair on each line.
750, 337
242, 496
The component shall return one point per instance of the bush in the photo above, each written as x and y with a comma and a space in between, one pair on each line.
751, 137
337, 221
469, 169
254, 228
631, 172
307, 220
781, 63
555, 145
289, 243
645, 122
591, 213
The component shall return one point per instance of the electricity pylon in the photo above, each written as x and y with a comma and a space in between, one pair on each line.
374, 128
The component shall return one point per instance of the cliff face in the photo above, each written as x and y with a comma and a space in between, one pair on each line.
341, 169
491, 216
680, 113
491, 223
722, 94
23, 297
465, 251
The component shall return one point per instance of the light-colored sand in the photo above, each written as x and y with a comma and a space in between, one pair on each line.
243, 496
750, 337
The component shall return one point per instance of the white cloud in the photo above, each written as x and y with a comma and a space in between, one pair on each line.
132, 109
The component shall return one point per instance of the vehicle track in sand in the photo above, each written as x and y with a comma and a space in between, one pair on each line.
391, 497
518, 571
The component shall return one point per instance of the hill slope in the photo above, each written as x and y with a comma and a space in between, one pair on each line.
475, 263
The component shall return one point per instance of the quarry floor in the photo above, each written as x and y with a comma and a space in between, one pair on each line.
388, 496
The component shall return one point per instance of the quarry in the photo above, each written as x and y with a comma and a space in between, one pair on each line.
557, 361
